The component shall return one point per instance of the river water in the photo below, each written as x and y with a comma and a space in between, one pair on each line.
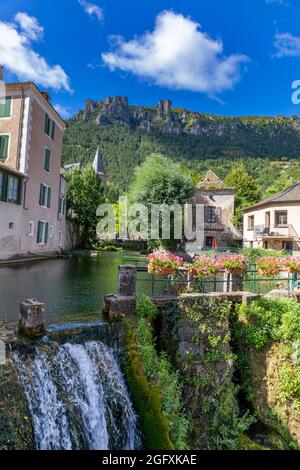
72, 289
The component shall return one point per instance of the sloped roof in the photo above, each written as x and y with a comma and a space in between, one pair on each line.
291, 194
98, 163
211, 181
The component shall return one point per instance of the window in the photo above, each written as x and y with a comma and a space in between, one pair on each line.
211, 215
250, 222
268, 219
30, 232
11, 225
49, 127
5, 107
42, 233
47, 159
62, 205
45, 195
4, 145
281, 218
10, 188
60, 238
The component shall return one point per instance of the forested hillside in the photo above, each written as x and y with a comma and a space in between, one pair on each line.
126, 135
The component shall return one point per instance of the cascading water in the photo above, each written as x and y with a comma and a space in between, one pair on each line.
78, 398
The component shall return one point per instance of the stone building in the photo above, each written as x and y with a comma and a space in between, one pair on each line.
217, 201
32, 190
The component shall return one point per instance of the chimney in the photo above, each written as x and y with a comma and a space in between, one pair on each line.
1, 73
46, 95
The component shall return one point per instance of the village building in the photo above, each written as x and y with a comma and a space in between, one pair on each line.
275, 222
218, 211
32, 189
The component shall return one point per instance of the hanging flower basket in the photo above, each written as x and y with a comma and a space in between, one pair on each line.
233, 264
292, 265
164, 264
204, 267
269, 266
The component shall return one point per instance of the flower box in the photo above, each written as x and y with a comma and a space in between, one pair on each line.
269, 266
164, 264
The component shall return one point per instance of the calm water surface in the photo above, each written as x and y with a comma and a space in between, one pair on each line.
72, 289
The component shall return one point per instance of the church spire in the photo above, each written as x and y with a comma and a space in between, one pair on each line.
98, 166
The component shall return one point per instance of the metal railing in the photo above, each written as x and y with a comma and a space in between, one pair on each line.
250, 281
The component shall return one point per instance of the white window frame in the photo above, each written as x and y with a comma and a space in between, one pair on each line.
8, 148
30, 231
44, 222
60, 238
62, 198
46, 206
11, 109
47, 172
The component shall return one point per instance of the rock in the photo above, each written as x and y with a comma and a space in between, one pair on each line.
164, 109
32, 318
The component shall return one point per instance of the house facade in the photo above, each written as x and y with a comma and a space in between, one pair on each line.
275, 222
32, 190
217, 201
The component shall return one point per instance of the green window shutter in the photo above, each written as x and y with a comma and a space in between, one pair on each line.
47, 160
19, 193
4, 140
46, 233
49, 198
41, 194
40, 232
53, 130
47, 124
4, 187
5, 107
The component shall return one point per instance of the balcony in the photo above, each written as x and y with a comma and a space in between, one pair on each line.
276, 232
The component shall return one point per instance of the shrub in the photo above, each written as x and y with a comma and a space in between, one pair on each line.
262, 320
146, 308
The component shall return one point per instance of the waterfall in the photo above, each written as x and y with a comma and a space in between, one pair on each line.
78, 398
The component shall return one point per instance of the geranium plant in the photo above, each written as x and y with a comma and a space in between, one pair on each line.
204, 267
269, 266
163, 263
292, 264
234, 263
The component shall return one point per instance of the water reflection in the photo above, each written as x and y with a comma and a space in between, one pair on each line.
72, 289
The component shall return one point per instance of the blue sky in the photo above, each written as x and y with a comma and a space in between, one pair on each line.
233, 57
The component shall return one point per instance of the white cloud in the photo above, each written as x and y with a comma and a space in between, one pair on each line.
92, 9
18, 56
177, 55
287, 45
62, 111
30, 26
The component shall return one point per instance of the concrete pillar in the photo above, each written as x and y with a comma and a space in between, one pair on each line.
32, 318
127, 281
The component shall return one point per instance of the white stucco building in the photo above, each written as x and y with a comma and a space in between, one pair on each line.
275, 222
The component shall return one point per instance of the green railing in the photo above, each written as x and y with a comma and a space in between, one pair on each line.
250, 281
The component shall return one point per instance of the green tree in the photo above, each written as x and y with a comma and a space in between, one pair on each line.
281, 183
160, 180
85, 194
246, 191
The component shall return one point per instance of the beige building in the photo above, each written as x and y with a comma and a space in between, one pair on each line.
275, 222
32, 190
217, 202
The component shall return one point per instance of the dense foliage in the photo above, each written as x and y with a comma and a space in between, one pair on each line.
85, 194
269, 149
155, 387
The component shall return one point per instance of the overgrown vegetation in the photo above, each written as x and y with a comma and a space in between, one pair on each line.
208, 377
268, 334
155, 387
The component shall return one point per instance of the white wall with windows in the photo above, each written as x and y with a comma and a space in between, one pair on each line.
281, 219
